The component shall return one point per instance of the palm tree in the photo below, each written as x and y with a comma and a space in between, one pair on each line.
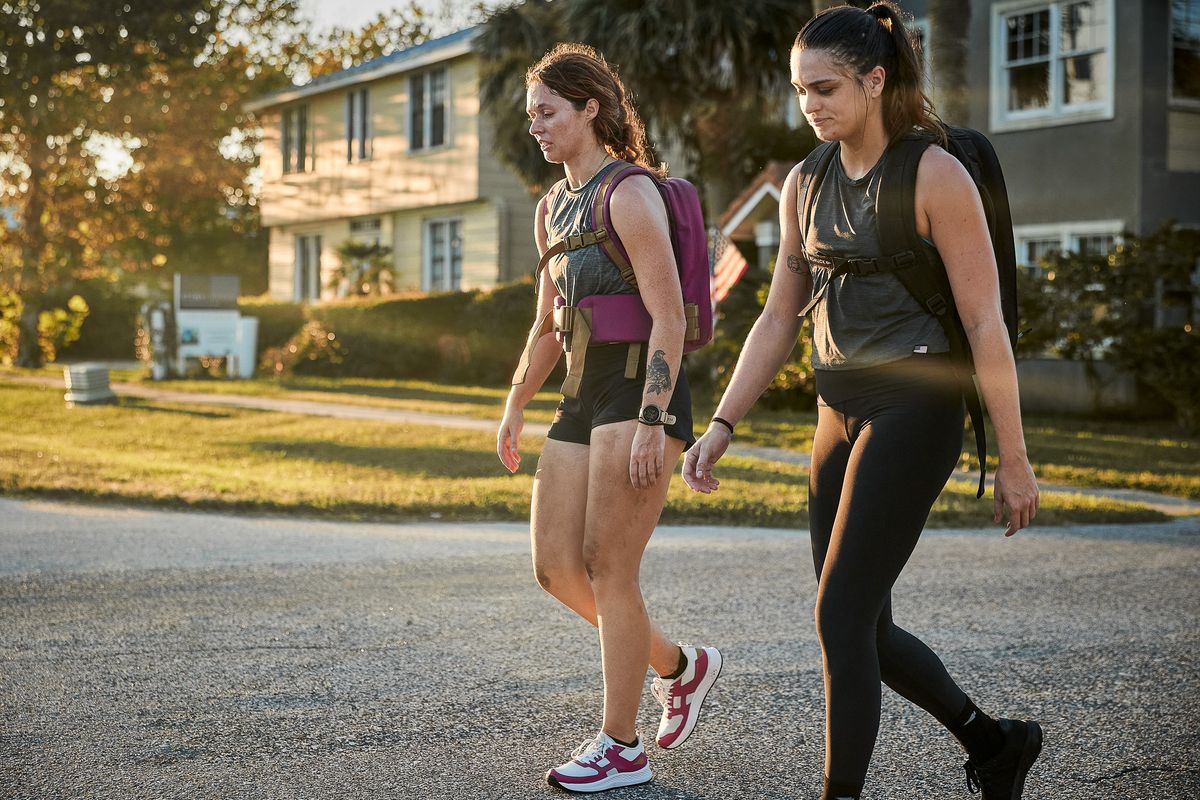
513, 38
948, 22
701, 72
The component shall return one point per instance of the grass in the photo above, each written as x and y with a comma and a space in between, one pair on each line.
229, 459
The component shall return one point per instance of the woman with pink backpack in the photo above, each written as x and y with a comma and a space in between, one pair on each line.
624, 420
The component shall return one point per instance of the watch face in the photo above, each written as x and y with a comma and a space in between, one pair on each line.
651, 414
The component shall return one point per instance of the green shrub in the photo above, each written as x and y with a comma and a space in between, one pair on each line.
1134, 307
278, 320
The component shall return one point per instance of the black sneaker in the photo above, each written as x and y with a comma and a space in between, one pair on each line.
1002, 777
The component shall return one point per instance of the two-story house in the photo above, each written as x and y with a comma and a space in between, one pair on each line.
1093, 107
395, 152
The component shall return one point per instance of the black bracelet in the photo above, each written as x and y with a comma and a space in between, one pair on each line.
724, 422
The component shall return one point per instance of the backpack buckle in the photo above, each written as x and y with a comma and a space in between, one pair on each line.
937, 304
575, 241
601, 235
905, 259
866, 266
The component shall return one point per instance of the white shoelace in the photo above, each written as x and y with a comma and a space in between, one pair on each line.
661, 690
590, 750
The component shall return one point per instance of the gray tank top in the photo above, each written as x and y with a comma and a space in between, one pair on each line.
863, 320
586, 271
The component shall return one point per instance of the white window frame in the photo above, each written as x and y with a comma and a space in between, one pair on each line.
1001, 119
310, 245
1186, 103
359, 130
427, 111
1067, 233
427, 255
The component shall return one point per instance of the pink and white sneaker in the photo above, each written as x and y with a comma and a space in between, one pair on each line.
682, 697
602, 764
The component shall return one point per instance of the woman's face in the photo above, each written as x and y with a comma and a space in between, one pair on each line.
561, 131
834, 102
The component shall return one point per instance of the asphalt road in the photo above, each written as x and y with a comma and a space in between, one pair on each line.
179, 655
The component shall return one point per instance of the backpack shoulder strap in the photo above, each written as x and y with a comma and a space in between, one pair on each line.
812, 172
606, 233
926, 281
555, 247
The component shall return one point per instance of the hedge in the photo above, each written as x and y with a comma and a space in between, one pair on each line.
467, 337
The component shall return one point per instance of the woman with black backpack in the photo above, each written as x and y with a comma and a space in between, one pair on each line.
890, 396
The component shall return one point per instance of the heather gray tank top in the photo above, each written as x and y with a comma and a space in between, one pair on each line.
863, 320
586, 271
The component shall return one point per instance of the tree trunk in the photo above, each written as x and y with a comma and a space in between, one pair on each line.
948, 22
33, 249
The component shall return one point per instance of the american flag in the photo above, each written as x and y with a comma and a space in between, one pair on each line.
728, 265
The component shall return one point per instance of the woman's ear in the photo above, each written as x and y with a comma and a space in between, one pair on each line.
591, 109
875, 80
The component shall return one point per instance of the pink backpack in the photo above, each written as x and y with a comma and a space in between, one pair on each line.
623, 317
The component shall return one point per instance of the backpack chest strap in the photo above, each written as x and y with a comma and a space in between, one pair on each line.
855, 266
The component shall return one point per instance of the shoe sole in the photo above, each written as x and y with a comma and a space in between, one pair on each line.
1029, 754
698, 698
622, 779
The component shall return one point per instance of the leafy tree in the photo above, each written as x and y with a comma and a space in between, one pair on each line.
107, 145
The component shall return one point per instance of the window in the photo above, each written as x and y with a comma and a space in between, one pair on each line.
427, 110
307, 284
443, 255
1035, 242
1052, 63
1185, 52
294, 139
358, 124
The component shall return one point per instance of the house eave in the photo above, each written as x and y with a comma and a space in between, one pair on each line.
436, 56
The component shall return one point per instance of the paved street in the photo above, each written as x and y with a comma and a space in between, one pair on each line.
183, 655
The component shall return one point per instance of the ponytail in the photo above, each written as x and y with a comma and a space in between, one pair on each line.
861, 40
578, 73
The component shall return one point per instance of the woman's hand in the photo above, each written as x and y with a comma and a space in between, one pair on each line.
700, 458
1016, 488
646, 455
508, 438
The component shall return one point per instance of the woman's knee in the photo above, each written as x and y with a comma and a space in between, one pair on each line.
555, 575
842, 635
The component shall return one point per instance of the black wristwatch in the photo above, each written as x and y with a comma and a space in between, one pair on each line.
653, 415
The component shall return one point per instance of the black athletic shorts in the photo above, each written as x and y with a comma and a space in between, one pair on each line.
608, 396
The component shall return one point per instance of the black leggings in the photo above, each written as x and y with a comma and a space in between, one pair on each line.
887, 440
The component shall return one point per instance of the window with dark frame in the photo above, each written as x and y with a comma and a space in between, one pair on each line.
308, 268
293, 136
1185, 50
1055, 57
427, 115
358, 125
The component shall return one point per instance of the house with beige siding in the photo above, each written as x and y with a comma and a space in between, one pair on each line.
395, 152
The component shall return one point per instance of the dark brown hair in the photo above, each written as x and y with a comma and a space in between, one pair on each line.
861, 40
578, 73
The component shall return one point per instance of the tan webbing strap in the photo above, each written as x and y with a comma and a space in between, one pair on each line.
544, 326
580, 335
691, 313
609, 247
631, 360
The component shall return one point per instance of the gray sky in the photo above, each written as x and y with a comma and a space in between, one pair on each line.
356, 13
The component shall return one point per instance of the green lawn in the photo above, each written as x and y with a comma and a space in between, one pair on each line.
219, 458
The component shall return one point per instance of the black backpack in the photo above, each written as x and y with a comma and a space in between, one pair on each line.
920, 271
